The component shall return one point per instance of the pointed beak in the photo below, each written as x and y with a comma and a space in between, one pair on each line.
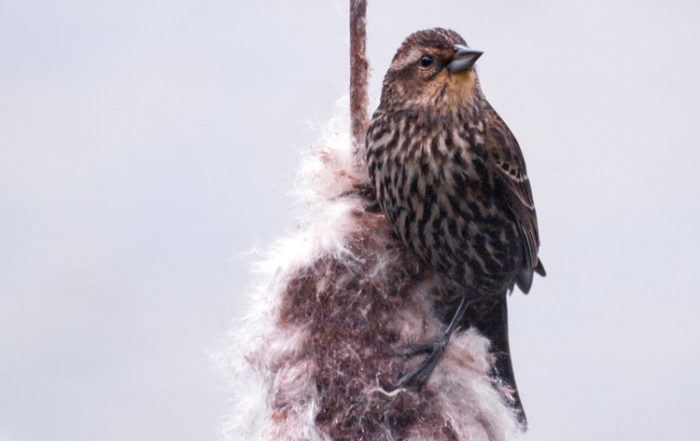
463, 59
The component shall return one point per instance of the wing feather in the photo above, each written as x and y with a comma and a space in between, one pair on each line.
506, 160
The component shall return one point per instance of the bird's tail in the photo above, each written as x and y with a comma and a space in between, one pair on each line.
492, 323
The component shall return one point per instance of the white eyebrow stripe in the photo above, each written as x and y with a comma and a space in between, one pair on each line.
410, 57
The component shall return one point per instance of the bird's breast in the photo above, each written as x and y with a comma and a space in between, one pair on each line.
427, 161
433, 185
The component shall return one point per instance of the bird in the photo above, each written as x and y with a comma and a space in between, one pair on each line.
451, 180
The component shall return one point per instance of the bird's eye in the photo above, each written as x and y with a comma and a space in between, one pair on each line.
425, 61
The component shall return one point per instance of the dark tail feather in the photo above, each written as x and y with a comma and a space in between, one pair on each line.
539, 269
493, 324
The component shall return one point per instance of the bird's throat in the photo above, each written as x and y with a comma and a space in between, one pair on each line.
461, 89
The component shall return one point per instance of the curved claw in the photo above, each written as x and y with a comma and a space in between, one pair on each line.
419, 375
435, 348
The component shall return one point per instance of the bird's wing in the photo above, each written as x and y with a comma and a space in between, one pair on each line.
510, 176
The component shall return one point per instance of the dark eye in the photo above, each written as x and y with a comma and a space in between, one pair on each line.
425, 61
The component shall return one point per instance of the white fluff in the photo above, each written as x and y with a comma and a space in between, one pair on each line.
272, 366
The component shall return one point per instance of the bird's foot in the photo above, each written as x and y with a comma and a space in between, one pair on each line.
435, 348
423, 348
419, 375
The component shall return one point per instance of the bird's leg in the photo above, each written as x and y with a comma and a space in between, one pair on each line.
435, 348
365, 191
371, 204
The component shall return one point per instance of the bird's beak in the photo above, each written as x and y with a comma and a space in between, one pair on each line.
463, 59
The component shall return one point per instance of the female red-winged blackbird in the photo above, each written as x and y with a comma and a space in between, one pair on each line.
451, 179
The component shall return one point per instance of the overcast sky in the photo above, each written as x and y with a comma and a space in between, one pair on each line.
147, 147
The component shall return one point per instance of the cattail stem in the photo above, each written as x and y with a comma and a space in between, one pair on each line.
358, 75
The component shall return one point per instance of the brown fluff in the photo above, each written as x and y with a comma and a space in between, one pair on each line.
335, 303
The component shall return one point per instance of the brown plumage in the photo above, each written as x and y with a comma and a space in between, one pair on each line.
450, 178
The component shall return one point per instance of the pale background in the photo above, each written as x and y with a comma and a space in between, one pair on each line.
147, 147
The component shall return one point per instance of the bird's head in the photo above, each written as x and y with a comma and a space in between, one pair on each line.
432, 68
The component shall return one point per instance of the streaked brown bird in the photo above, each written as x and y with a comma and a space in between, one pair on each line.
450, 178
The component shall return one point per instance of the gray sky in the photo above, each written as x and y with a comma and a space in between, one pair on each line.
146, 147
